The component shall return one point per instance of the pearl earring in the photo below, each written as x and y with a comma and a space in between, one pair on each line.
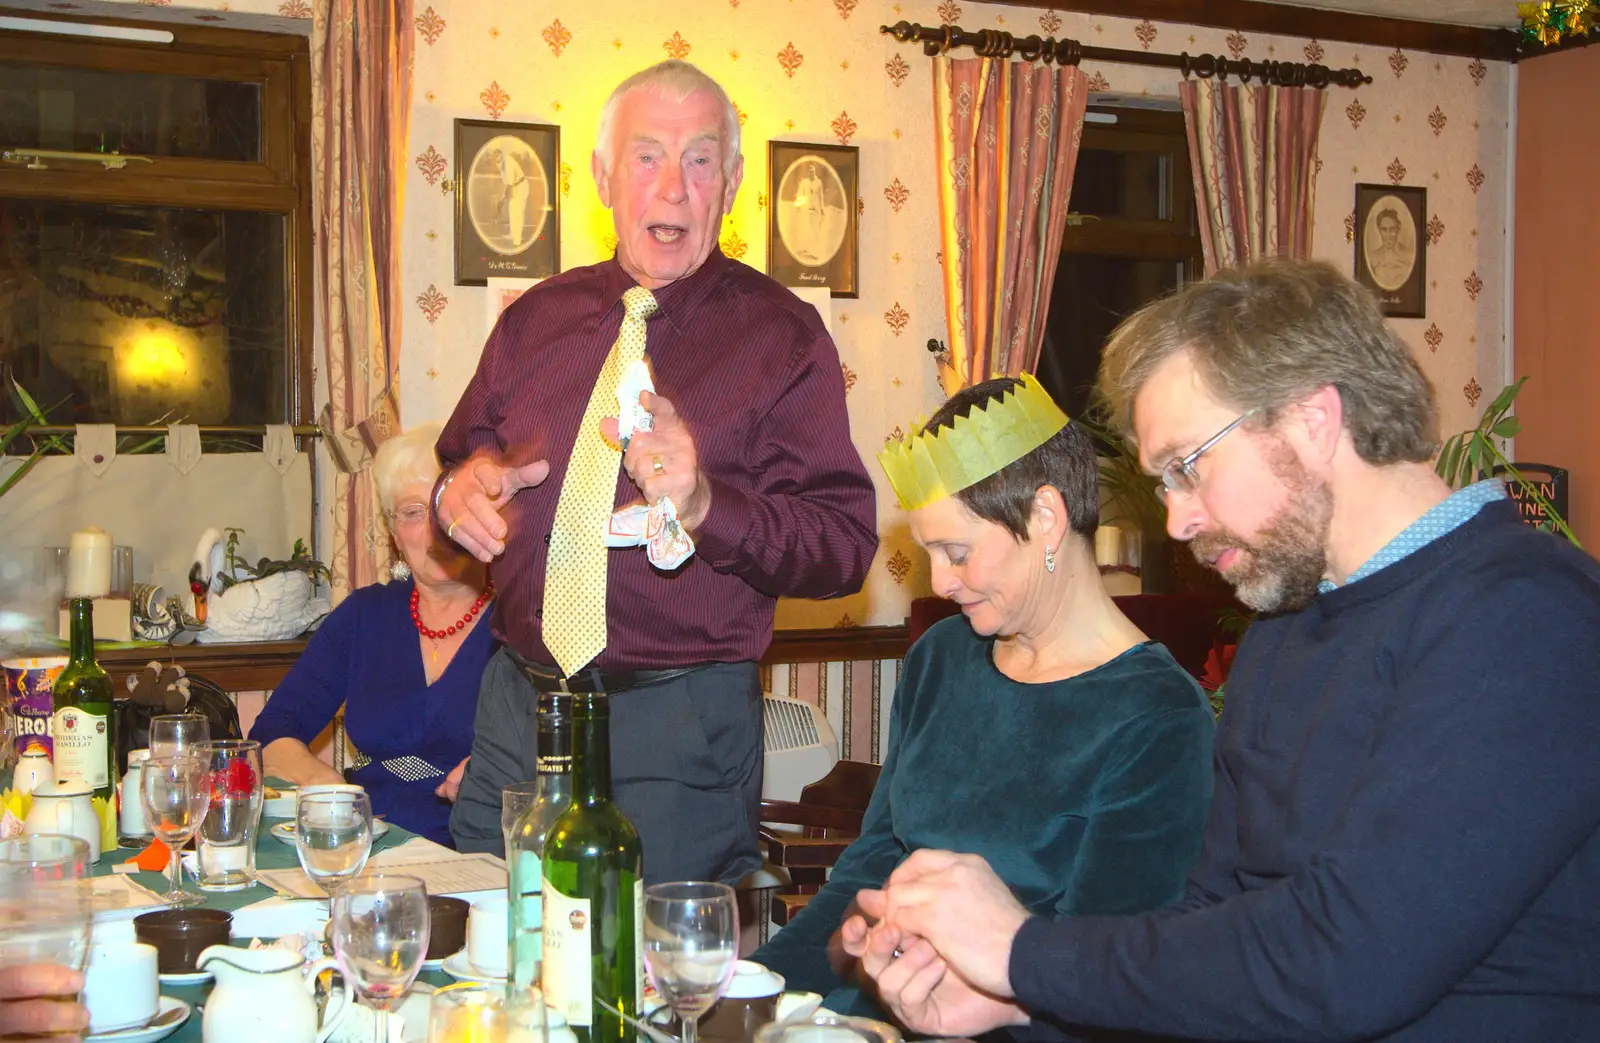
1049, 559
399, 571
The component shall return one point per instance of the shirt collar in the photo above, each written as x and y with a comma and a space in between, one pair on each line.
675, 300
1444, 517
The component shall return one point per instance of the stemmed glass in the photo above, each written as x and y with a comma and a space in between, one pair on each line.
380, 935
173, 734
691, 943
333, 836
514, 800
45, 901
177, 793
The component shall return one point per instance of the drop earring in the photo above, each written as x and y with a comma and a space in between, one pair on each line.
1049, 559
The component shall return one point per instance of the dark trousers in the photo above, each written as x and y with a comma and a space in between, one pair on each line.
686, 757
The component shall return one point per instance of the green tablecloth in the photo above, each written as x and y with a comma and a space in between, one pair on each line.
270, 854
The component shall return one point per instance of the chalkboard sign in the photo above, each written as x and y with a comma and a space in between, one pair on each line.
1552, 485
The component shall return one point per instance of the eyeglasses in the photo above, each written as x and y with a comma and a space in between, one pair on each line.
409, 513
1179, 476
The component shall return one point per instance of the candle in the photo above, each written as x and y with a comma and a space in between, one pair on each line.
89, 564
1108, 545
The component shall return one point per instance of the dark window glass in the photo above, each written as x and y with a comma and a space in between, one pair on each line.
1110, 183
145, 315
146, 114
1092, 295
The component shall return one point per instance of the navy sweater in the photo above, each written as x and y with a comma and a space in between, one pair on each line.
1402, 844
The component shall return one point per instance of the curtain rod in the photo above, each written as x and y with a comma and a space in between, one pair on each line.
991, 43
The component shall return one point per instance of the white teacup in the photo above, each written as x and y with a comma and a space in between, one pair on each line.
121, 987
331, 787
487, 937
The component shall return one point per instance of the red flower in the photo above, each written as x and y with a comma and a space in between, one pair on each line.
1218, 662
238, 779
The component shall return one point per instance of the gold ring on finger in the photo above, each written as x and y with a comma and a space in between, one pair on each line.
450, 533
657, 464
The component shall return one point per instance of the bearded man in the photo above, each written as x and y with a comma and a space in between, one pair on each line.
1404, 842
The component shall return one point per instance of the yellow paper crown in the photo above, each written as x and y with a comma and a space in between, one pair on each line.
930, 466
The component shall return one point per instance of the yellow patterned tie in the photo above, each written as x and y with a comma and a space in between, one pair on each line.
575, 575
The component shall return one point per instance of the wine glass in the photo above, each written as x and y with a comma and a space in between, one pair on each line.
472, 1012
691, 943
45, 901
173, 734
333, 836
380, 935
177, 793
514, 800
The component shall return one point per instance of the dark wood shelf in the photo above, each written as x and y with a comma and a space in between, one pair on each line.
260, 667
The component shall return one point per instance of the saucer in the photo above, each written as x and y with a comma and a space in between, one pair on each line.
180, 979
149, 1034
283, 832
460, 968
281, 806
437, 965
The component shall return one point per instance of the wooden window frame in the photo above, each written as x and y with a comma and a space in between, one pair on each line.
1175, 239
280, 182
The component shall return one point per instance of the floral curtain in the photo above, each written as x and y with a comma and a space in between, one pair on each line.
1254, 153
1007, 141
361, 58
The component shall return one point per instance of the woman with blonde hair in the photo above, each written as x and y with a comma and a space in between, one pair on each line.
404, 658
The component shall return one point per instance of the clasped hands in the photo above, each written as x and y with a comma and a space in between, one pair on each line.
937, 943
661, 462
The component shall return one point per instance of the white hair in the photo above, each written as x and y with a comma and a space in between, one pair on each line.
406, 459
677, 81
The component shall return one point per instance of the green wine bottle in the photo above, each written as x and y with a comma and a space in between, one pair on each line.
83, 724
593, 893
525, 850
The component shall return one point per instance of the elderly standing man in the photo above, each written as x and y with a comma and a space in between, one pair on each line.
751, 443
1403, 841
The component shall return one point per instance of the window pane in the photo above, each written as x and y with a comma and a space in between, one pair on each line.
1092, 295
82, 110
145, 315
1123, 184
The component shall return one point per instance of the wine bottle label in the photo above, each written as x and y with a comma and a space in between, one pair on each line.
638, 947
568, 981
80, 747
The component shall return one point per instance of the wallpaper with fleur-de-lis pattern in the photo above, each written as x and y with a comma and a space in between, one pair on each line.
819, 70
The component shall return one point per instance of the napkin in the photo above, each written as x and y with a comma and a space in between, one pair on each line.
152, 859
654, 526
14, 807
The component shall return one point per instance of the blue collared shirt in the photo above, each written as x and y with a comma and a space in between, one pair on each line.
1443, 517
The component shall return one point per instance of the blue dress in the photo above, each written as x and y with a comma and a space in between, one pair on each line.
366, 655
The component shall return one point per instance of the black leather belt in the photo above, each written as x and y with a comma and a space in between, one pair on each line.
549, 679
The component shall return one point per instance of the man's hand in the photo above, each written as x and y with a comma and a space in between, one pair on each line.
920, 988
29, 1003
450, 788
663, 461
960, 906
469, 507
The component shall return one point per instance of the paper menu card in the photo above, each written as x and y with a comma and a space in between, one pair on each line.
118, 897
447, 875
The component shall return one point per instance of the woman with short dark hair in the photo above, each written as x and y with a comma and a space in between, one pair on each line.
1044, 731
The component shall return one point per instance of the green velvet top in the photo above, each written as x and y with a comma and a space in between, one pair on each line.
1086, 795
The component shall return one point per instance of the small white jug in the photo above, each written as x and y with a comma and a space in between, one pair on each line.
65, 808
265, 996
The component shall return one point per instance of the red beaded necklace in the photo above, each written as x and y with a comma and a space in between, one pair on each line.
454, 628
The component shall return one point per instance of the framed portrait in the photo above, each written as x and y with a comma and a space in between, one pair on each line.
1392, 247
508, 209
812, 228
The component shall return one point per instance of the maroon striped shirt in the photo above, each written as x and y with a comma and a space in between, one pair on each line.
756, 377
